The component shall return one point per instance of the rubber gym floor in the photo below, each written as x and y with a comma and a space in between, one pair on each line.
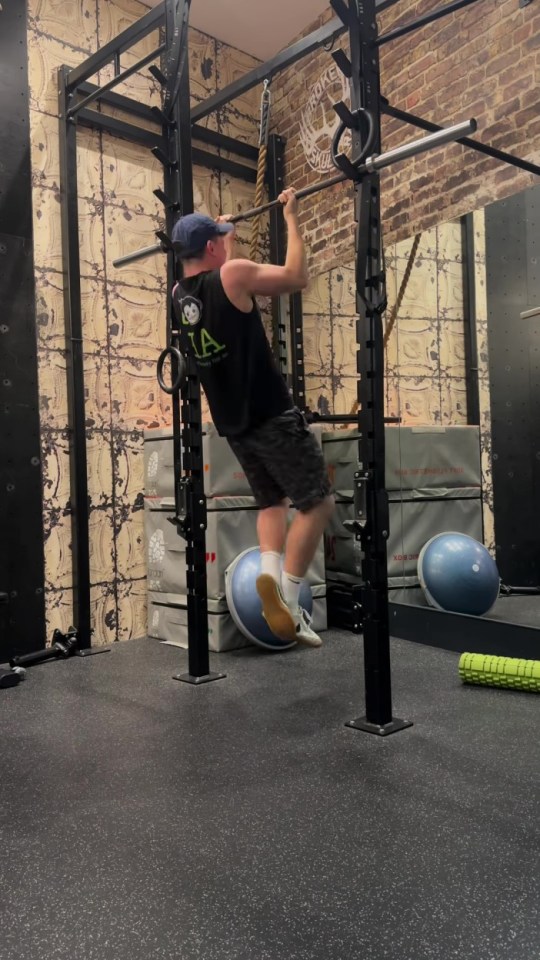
144, 819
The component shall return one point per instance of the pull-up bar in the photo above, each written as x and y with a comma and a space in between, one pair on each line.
370, 165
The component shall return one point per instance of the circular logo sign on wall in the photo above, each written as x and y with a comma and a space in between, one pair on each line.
319, 121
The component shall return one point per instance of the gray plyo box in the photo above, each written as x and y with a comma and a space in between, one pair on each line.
419, 459
231, 529
165, 549
412, 524
167, 621
406, 594
223, 475
423, 458
158, 463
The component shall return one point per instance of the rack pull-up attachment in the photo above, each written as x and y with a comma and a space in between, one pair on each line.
371, 164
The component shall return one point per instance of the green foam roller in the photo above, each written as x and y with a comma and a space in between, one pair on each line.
500, 671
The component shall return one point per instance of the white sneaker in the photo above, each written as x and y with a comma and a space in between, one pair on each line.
294, 626
303, 632
275, 611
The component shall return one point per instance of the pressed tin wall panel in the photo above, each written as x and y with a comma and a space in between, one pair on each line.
124, 311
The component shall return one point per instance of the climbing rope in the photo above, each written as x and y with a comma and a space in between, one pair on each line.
406, 277
261, 167
396, 308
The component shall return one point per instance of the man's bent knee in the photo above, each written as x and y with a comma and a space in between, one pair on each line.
322, 505
278, 505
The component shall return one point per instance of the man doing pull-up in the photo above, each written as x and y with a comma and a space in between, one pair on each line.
220, 326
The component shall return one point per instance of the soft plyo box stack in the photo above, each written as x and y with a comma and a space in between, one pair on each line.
433, 480
231, 529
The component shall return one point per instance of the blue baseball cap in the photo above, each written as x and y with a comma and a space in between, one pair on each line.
191, 233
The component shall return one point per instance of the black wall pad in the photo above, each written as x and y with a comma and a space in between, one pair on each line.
469, 319
513, 334
461, 633
22, 610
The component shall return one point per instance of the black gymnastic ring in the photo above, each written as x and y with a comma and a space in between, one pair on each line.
366, 116
180, 379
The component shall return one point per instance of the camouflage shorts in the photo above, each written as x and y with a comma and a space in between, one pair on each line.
282, 459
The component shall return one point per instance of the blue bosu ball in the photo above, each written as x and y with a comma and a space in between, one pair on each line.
458, 574
244, 602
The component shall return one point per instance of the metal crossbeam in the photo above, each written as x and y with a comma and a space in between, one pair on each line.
423, 21
150, 139
99, 91
466, 141
128, 38
331, 30
285, 58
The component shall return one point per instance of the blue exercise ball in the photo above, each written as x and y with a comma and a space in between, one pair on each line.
245, 604
458, 574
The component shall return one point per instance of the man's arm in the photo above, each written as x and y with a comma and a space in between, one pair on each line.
229, 239
243, 279
295, 260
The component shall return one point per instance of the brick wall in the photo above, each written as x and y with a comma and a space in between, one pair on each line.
483, 61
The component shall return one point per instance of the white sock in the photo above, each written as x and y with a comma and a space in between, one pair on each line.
290, 588
271, 563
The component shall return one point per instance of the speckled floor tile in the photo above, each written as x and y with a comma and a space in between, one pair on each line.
144, 819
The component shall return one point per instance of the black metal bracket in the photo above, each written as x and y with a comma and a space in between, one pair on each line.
349, 119
342, 62
164, 160
342, 161
167, 202
162, 118
346, 17
166, 243
358, 524
182, 519
158, 75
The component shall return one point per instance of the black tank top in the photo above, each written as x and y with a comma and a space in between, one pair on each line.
235, 363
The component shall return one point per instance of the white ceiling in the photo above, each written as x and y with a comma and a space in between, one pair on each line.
259, 27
